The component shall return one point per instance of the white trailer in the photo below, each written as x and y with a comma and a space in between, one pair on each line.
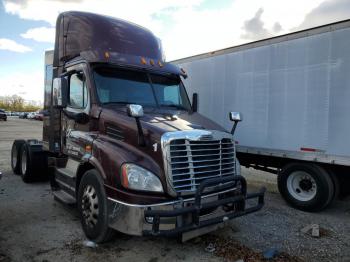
294, 93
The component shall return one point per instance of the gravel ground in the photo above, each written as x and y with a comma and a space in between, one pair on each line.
34, 227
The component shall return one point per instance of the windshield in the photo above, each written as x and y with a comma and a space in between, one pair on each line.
132, 87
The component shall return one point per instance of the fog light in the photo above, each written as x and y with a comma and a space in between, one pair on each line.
149, 220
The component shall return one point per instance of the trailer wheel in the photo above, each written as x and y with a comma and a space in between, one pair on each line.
307, 187
26, 165
16, 156
92, 205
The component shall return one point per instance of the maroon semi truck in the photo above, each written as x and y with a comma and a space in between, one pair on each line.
123, 142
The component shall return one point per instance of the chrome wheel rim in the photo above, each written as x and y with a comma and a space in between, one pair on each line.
90, 206
24, 162
302, 186
14, 157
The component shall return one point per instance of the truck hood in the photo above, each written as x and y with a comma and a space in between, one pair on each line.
177, 121
119, 132
155, 124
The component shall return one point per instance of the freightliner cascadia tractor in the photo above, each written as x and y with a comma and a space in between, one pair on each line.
123, 142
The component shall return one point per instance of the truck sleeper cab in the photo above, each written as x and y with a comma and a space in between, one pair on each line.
123, 142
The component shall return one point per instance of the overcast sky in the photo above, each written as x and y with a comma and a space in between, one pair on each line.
186, 27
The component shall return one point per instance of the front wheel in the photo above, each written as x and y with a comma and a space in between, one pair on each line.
92, 205
305, 186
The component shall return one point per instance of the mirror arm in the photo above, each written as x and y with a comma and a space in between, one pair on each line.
141, 136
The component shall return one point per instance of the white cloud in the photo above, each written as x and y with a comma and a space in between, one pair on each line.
10, 45
192, 30
185, 29
41, 34
28, 85
327, 12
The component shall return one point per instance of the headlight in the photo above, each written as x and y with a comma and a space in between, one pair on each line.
138, 178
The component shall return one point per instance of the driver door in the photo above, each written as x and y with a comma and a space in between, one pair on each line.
75, 117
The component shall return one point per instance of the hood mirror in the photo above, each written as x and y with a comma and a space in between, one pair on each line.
235, 117
136, 111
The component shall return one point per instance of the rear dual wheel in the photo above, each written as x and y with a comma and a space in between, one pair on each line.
28, 161
27, 173
307, 187
16, 157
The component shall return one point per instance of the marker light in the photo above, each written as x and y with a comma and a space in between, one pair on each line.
143, 61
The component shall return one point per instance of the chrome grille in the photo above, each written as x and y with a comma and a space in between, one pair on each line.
192, 161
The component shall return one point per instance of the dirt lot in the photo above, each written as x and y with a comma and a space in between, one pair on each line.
34, 227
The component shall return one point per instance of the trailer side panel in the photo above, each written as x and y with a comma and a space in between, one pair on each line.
294, 94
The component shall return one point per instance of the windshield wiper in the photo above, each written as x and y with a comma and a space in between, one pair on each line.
116, 102
173, 105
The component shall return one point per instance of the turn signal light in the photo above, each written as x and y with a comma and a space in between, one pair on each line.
151, 62
124, 180
106, 55
160, 64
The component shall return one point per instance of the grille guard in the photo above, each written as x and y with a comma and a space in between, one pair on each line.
195, 210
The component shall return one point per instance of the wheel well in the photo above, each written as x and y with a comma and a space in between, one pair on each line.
81, 171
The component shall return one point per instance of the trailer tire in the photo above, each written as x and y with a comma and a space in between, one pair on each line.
16, 156
26, 164
307, 187
92, 205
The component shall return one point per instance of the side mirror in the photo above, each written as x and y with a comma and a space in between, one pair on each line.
134, 110
60, 92
194, 102
235, 117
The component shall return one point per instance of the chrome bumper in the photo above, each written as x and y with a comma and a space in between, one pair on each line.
184, 215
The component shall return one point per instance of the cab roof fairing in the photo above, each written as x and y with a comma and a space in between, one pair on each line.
99, 38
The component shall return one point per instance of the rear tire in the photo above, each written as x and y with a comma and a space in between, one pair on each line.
92, 205
26, 164
307, 187
16, 156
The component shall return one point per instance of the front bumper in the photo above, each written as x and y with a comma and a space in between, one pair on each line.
186, 215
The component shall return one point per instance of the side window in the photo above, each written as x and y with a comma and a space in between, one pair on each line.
77, 91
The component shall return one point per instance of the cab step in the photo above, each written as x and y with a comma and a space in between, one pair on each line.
64, 197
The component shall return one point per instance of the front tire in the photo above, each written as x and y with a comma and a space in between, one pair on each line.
307, 187
92, 205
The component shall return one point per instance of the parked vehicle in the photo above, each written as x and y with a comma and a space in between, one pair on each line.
122, 140
23, 115
294, 93
39, 115
3, 115
31, 115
